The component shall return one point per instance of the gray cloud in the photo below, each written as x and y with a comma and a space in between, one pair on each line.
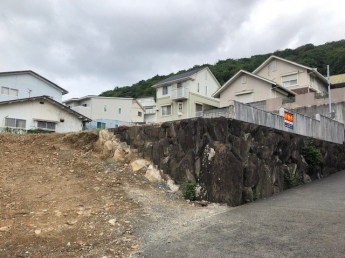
91, 46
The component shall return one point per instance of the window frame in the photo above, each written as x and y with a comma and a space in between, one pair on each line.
166, 90
163, 106
16, 123
244, 79
283, 83
179, 104
47, 125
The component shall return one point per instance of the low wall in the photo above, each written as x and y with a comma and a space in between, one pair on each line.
232, 161
322, 128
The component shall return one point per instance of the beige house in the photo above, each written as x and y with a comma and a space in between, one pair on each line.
40, 113
246, 87
107, 112
186, 95
293, 76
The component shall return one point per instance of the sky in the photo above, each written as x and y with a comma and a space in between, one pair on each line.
88, 46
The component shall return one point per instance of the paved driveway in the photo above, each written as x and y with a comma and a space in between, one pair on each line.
306, 221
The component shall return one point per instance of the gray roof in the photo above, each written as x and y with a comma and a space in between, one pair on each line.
180, 76
54, 102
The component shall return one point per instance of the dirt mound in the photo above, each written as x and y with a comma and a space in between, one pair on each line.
59, 198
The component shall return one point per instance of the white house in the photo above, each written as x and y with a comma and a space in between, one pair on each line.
107, 112
40, 113
26, 84
149, 104
186, 95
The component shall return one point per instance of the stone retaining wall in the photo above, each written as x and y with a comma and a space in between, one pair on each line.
232, 161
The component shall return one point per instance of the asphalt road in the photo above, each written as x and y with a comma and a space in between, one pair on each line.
307, 221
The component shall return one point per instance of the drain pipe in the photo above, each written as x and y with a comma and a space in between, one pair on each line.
329, 93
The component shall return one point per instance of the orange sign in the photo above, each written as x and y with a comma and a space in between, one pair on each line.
288, 119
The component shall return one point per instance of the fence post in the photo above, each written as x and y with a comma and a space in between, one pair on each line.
231, 109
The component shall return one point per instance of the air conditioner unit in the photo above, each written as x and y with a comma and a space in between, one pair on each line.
180, 113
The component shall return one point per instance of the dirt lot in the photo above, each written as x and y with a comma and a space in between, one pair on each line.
58, 198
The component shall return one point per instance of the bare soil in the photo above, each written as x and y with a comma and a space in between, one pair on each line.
59, 198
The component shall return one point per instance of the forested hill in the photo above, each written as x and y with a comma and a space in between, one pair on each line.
332, 53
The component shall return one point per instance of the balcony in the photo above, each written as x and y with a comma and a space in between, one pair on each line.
150, 111
179, 94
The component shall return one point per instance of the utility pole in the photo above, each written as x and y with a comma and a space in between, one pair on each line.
329, 93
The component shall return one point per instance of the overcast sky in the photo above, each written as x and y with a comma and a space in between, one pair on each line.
88, 46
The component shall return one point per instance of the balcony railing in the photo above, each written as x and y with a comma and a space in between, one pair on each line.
179, 93
199, 113
150, 111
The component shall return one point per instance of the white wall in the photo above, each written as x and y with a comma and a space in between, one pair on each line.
33, 110
204, 78
23, 82
261, 90
283, 68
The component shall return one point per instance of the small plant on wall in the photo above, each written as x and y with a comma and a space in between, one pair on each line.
313, 157
188, 191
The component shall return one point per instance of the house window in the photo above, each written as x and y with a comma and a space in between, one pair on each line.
13, 92
198, 109
180, 108
105, 108
166, 110
101, 125
289, 80
120, 111
205, 90
5, 90
198, 87
166, 90
244, 79
46, 125
140, 113
13, 122
274, 65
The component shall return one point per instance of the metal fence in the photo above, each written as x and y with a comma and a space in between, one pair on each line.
321, 127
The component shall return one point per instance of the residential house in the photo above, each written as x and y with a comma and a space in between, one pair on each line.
274, 78
149, 105
40, 113
247, 87
337, 81
186, 95
107, 112
293, 76
26, 84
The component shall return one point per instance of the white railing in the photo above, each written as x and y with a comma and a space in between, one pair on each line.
199, 113
180, 93
150, 111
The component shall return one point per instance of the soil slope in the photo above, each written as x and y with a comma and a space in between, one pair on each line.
58, 198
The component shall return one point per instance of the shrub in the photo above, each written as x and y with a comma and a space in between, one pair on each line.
292, 180
188, 191
313, 158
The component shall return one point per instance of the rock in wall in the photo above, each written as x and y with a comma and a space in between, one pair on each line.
232, 161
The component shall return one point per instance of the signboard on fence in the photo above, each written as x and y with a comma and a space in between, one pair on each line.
288, 120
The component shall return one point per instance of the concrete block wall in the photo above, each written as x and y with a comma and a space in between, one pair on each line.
322, 128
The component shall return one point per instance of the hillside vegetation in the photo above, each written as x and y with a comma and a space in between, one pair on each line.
332, 53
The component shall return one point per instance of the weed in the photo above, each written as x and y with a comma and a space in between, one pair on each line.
188, 191
293, 180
